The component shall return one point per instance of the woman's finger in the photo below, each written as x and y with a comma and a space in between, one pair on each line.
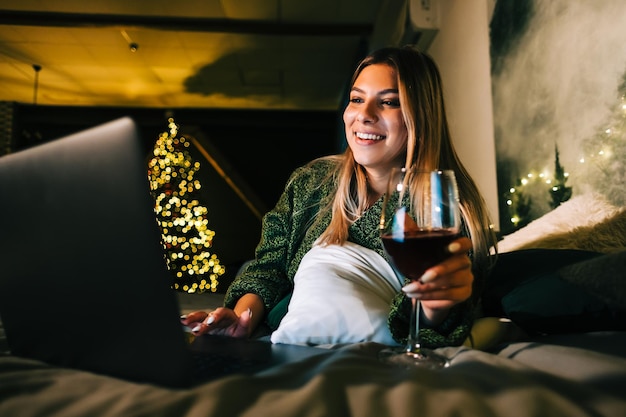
193, 317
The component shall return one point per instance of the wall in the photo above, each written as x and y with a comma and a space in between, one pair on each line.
461, 50
560, 81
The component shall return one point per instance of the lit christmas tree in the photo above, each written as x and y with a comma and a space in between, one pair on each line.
182, 219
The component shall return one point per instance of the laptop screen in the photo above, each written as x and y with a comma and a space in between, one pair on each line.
84, 281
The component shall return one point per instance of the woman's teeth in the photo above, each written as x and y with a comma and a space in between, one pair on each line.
369, 136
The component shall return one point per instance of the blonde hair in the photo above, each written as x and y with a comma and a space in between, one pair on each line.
429, 147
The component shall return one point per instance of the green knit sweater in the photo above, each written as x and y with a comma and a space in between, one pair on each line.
289, 231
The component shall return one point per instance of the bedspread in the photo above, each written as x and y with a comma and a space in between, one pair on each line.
566, 375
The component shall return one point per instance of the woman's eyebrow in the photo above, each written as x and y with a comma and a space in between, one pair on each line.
386, 91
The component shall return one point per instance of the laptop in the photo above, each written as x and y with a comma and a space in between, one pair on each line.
84, 282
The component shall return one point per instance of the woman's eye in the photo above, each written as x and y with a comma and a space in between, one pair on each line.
392, 103
356, 100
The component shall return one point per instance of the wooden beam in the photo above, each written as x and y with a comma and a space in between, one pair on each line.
177, 23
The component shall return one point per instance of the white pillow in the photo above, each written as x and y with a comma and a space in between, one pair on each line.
342, 294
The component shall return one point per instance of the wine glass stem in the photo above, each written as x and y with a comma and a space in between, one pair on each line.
413, 342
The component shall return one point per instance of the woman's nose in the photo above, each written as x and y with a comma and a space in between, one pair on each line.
366, 114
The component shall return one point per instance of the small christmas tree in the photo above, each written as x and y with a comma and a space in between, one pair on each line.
181, 217
559, 192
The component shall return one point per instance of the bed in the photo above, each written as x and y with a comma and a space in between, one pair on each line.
563, 359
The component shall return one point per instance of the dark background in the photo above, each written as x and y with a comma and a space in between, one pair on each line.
257, 149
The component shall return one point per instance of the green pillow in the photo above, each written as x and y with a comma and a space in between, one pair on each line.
513, 269
530, 288
547, 304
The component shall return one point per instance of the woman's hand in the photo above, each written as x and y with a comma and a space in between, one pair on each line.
444, 285
237, 322
221, 321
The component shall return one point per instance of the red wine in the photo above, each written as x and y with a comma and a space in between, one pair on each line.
415, 251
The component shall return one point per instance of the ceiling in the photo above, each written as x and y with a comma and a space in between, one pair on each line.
229, 54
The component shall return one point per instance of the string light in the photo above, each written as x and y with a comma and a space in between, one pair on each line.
602, 164
517, 198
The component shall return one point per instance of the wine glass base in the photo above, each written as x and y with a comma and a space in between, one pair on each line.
424, 358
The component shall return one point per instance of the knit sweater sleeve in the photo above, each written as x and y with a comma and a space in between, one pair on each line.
284, 237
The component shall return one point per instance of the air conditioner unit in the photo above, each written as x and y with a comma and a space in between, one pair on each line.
401, 22
422, 23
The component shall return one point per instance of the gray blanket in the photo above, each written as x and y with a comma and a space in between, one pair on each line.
581, 375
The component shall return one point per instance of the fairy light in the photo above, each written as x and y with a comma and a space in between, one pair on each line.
601, 164
605, 153
519, 204
182, 219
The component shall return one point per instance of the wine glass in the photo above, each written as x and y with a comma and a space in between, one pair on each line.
420, 217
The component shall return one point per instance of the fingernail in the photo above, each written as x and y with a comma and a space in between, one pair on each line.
454, 247
196, 329
210, 320
427, 277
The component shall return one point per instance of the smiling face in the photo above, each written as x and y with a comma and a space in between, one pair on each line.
375, 129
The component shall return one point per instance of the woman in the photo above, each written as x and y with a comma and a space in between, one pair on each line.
395, 117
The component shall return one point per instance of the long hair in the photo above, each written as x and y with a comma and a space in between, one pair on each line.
429, 146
